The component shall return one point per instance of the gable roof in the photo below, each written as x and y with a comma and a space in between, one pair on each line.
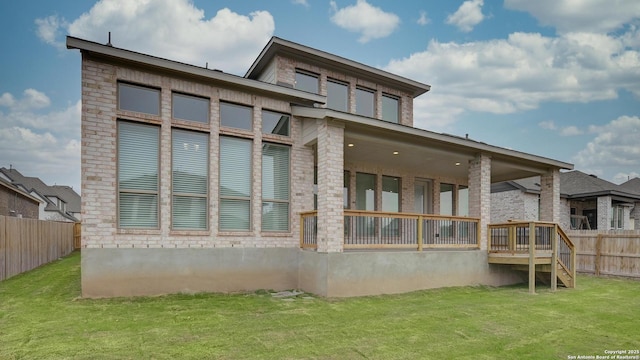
34, 184
632, 185
6, 184
330, 61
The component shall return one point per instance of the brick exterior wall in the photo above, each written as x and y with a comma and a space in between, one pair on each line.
18, 203
330, 184
480, 194
99, 163
285, 74
508, 205
550, 196
604, 213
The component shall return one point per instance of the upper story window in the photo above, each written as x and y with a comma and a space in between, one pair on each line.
390, 108
307, 81
337, 95
236, 116
365, 101
138, 98
192, 108
275, 123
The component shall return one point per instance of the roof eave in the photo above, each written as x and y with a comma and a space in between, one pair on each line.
214, 75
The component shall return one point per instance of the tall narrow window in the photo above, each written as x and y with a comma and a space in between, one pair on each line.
345, 189
189, 179
446, 199
390, 108
275, 187
463, 201
236, 116
365, 102
138, 98
235, 184
275, 123
192, 108
337, 95
365, 191
138, 164
306, 81
390, 194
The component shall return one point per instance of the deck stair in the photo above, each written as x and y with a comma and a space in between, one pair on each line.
552, 258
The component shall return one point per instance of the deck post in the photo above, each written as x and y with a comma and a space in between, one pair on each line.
532, 258
420, 220
554, 258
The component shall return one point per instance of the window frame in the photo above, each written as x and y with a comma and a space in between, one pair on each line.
138, 86
248, 198
175, 194
361, 89
346, 99
397, 102
236, 105
197, 97
308, 74
279, 201
120, 191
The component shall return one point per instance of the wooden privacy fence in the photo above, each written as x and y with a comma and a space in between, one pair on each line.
608, 252
27, 243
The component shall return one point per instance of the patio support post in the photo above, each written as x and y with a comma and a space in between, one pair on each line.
330, 149
550, 196
480, 194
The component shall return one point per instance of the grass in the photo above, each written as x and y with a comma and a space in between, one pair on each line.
43, 317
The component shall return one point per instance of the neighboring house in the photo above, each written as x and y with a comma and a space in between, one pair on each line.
198, 180
57, 203
633, 185
587, 202
16, 202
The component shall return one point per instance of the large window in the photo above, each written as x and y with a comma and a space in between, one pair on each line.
365, 102
337, 95
446, 199
306, 81
190, 178
138, 98
275, 187
138, 180
617, 217
365, 191
463, 201
236, 116
390, 194
192, 108
235, 184
275, 123
390, 108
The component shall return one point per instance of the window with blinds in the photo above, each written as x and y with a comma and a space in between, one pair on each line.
235, 184
190, 159
275, 187
138, 181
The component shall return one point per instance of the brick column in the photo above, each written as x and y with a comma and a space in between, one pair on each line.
480, 194
550, 196
604, 213
330, 183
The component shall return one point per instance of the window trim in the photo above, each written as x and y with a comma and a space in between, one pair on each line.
141, 86
263, 199
133, 191
192, 195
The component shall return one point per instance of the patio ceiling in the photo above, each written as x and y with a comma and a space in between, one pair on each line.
396, 146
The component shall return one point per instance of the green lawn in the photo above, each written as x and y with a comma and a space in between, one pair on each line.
42, 317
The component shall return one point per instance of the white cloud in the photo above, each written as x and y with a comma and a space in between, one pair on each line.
49, 29
173, 29
615, 145
423, 20
370, 21
468, 15
621, 177
547, 125
580, 15
38, 141
521, 72
571, 131
304, 3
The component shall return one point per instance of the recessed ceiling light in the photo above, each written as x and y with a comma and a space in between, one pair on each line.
350, 145
395, 153
457, 164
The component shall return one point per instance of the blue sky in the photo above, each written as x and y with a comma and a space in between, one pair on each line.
555, 78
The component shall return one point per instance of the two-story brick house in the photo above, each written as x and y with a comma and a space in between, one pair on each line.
305, 173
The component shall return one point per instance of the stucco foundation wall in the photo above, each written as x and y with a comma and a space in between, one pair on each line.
136, 272
373, 273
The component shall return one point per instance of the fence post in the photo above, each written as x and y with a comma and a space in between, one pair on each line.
598, 252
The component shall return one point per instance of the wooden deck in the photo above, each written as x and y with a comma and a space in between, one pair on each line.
540, 258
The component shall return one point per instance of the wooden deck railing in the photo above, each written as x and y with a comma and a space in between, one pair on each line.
392, 230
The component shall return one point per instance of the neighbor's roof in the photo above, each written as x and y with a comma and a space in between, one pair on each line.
632, 185
10, 186
116, 54
330, 61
